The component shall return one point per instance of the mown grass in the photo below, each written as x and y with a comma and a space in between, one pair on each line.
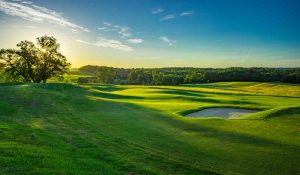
109, 129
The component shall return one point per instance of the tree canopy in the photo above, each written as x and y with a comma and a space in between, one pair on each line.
35, 63
106, 75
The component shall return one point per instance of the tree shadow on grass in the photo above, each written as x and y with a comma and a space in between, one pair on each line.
113, 96
107, 88
215, 101
181, 92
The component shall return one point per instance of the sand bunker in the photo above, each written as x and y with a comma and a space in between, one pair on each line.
222, 112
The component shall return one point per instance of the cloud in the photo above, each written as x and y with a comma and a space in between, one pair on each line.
107, 24
83, 42
28, 11
122, 31
108, 43
135, 40
157, 10
102, 42
167, 40
125, 32
187, 13
173, 16
168, 17
102, 28
26, 2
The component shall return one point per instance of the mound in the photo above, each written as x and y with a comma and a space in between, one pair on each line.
274, 113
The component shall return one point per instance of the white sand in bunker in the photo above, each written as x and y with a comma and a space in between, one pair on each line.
222, 112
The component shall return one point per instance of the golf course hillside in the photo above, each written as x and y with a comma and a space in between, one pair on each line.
58, 128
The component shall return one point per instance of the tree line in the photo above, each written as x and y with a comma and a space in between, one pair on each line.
186, 75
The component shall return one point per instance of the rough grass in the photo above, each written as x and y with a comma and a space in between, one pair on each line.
107, 129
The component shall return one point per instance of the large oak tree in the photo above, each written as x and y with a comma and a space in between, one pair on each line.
35, 63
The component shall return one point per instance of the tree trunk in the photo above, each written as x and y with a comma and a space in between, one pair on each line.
45, 80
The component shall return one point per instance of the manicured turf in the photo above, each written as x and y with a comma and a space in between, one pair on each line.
107, 129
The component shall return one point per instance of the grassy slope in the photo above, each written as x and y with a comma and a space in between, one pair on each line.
61, 128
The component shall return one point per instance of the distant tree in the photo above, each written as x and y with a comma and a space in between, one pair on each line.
31, 63
88, 70
106, 75
3, 77
2, 65
140, 76
195, 77
158, 78
293, 77
171, 79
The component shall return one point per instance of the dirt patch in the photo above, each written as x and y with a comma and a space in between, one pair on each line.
222, 112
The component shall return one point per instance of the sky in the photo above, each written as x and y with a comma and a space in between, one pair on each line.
160, 33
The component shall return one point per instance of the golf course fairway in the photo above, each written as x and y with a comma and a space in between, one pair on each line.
125, 129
